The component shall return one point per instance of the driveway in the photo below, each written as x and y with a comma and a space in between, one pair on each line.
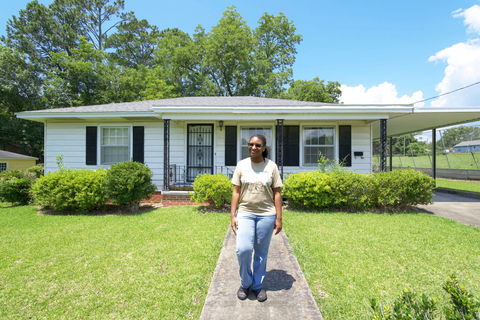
462, 209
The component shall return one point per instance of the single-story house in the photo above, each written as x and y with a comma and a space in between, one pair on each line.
179, 138
15, 161
467, 146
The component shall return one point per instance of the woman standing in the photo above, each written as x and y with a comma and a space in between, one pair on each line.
256, 193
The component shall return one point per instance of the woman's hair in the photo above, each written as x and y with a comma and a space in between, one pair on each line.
264, 142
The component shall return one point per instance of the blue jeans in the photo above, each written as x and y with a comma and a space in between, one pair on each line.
254, 233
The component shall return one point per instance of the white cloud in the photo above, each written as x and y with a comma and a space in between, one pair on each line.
471, 18
384, 93
463, 67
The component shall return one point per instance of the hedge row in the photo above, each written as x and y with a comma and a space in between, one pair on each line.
80, 190
349, 190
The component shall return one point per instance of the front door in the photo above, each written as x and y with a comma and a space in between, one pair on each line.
199, 150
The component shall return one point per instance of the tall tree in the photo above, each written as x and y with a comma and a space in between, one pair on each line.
135, 43
275, 52
39, 31
232, 59
314, 90
180, 56
96, 19
20, 90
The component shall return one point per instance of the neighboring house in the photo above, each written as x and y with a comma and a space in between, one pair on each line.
181, 137
15, 161
467, 146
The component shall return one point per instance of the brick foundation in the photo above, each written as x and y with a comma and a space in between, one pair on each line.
170, 200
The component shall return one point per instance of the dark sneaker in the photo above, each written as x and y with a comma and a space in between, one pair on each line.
260, 294
242, 293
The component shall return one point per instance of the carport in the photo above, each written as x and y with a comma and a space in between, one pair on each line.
419, 119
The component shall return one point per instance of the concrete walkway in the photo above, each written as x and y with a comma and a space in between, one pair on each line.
289, 296
465, 210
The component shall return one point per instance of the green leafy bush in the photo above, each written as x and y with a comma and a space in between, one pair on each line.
127, 183
349, 190
37, 171
77, 190
7, 175
462, 305
217, 188
16, 190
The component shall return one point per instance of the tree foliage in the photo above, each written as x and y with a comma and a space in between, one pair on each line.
232, 59
54, 57
455, 135
314, 90
95, 16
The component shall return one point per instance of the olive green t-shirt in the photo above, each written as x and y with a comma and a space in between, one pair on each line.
257, 181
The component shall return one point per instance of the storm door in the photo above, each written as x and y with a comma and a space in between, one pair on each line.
199, 150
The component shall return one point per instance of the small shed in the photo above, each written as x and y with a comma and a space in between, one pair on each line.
467, 146
15, 161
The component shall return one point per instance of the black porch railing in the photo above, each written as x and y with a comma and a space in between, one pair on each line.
182, 177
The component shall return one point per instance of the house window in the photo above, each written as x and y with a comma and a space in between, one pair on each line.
3, 166
318, 140
115, 145
246, 133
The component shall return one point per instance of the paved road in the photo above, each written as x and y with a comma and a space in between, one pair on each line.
462, 209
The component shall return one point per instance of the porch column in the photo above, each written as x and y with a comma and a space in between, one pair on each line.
383, 145
390, 154
166, 154
434, 155
279, 153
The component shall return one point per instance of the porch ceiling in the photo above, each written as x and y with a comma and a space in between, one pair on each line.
426, 119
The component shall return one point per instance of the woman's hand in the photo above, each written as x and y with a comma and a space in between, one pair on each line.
234, 224
233, 218
278, 226
277, 196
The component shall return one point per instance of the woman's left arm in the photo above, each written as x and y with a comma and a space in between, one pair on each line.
277, 196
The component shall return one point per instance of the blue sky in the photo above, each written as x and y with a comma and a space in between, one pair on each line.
380, 51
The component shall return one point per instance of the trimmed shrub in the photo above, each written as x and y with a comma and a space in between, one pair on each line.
127, 183
217, 188
349, 190
16, 190
76, 190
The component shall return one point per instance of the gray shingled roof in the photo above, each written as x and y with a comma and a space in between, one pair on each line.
146, 106
12, 155
468, 143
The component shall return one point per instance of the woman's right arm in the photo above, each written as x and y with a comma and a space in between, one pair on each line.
233, 210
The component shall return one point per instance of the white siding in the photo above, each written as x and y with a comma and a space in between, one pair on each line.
68, 139
361, 142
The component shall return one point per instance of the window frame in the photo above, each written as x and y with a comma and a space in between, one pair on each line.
101, 145
303, 145
272, 143
6, 165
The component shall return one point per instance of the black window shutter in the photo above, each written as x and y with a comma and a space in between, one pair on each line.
138, 144
230, 145
91, 146
291, 146
345, 142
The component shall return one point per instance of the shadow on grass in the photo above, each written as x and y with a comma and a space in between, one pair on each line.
403, 210
105, 210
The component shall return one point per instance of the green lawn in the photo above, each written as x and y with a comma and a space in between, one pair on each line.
347, 258
459, 185
454, 161
155, 265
